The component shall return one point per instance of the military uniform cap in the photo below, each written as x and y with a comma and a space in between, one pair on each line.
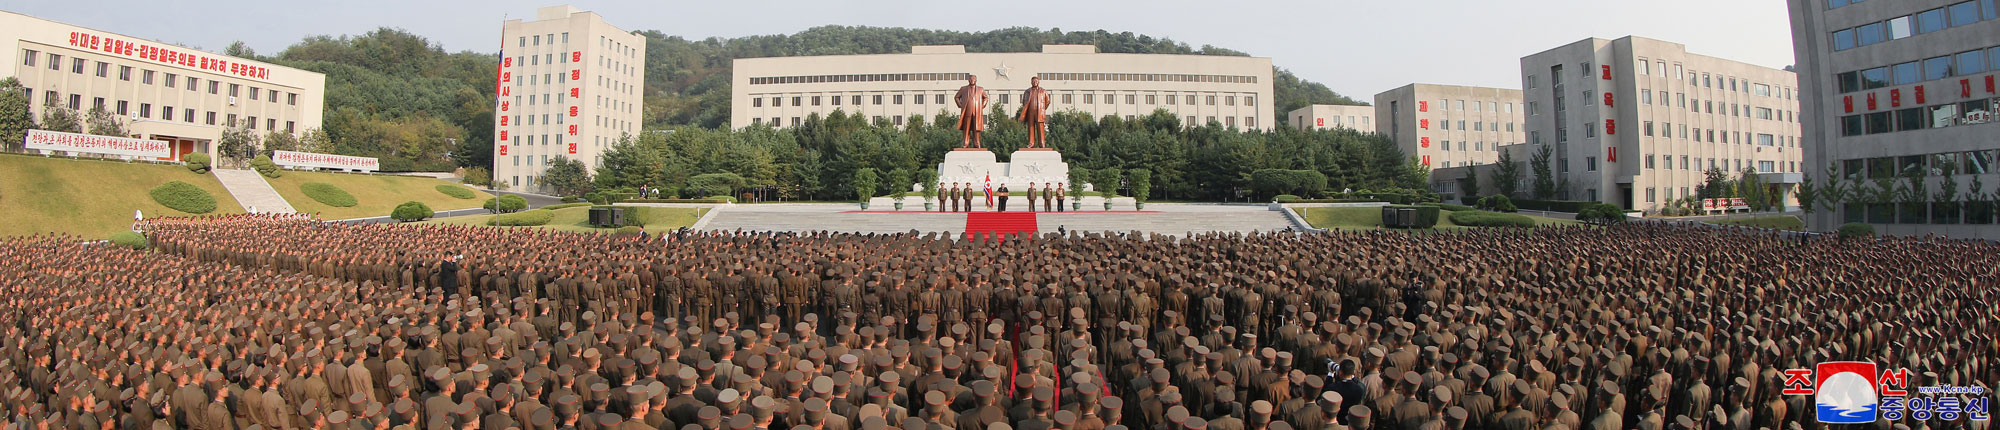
741, 422
1177, 414
1004, 426
337, 417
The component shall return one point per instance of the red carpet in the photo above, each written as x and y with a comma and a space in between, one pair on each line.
1000, 223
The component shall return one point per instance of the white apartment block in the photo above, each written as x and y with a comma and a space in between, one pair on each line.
569, 86
1449, 125
892, 88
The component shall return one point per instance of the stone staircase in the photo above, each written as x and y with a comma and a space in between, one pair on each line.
251, 191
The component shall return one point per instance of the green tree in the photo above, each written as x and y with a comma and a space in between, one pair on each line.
898, 180
566, 176
1545, 182
712, 184
1751, 187
103, 123
1507, 175
864, 184
15, 118
279, 141
238, 144
478, 176
1715, 185
59, 118
1469, 187
1142, 183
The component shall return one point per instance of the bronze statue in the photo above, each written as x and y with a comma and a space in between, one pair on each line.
972, 108
1035, 113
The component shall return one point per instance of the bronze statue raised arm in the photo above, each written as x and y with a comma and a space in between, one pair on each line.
971, 101
1035, 113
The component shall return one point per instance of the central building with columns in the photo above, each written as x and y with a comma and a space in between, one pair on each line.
894, 88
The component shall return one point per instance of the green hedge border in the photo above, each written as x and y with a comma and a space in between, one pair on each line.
184, 197
328, 194
456, 191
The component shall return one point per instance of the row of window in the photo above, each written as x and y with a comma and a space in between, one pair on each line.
1476, 126
123, 108
897, 120
1462, 147
1148, 77
1005, 98
1695, 163
875, 77
1956, 15
1920, 117
1940, 164
1974, 213
1945, 66
103, 70
1709, 106
1694, 78
1695, 133
1445, 105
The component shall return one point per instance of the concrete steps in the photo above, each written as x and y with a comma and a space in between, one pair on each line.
252, 191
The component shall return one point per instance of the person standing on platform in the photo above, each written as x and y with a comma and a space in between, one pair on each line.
1061, 193
965, 198
941, 195
1048, 198
1031, 197
1003, 197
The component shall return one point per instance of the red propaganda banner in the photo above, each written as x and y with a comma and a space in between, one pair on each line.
507, 62
1427, 160
573, 92
1848, 102
572, 147
1896, 97
325, 161
503, 120
575, 75
1614, 155
1607, 99
1920, 94
572, 129
503, 106
1424, 124
503, 149
1423, 106
1425, 142
1319, 122
576, 56
572, 111
503, 134
164, 54
1607, 71
1871, 101
1610, 126
74, 142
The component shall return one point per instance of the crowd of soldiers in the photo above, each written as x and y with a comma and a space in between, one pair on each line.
261, 321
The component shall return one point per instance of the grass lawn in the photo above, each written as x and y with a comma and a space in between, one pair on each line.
1368, 218
576, 220
1781, 222
376, 194
92, 198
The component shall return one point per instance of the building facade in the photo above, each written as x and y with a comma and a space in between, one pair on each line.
159, 91
1325, 117
891, 88
569, 86
1448, 125
1901, 93
1637, 122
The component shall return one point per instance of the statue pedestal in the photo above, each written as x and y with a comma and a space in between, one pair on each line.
1039, 166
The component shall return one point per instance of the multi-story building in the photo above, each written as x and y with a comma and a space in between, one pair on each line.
1323, 117
159, 91
1637, 122
890, 88
1898, 89
569, 86
1449, 125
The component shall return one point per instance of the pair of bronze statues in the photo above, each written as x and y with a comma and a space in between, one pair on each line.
972, 98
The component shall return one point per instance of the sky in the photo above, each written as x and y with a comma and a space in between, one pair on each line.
1356, 48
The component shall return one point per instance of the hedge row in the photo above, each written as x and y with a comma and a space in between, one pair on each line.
1570, 206
507, 202
184, 197
527, 218
456, 191
1490, 219
196, 162
328, 194
1449, 207
411, 211
128, 239
566, 205
265, 166
707, 200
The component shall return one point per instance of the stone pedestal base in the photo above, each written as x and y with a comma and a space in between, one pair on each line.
1039, 166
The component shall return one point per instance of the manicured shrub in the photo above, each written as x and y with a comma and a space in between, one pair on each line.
1286, 198
527, 218
328, 194
1497, 203
196, 162
722, 199
1856, 230
184, 197
129, 240
412, 211
1600, 213
571, 199
566, 205
1448, 206
508, 203
456, 191
265, 167
1490, 219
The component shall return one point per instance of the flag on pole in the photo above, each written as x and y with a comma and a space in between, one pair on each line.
989, 190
